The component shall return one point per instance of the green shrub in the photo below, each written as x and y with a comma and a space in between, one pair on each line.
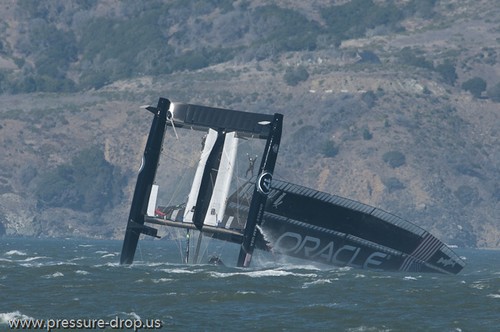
494, 92
466, 195
412, 57
475, 86
293, 76
393, 184
330, 149
394, 158
447, 72
89, 183
367, 135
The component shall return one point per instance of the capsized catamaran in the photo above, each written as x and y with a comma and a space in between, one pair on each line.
266, 214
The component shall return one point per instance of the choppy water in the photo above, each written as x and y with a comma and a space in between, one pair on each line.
81, 279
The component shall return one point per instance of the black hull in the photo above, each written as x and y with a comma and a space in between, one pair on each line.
316, 226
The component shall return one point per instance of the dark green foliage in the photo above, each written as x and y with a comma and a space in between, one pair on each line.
286, 29
394, 158
367, 135
89, 183
330, 149
293, 76
369, 97
422, 8
466, 195
118, 49
494, 92
393, 184
352, 19
411, 57
447, 72
2, 227
475, 86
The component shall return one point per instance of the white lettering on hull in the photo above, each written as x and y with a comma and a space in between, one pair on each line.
311, 247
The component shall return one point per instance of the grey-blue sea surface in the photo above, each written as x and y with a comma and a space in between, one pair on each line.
79, 281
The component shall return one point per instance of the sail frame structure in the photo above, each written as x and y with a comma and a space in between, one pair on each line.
285, 218
224, 122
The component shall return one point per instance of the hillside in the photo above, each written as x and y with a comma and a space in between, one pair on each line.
399, 110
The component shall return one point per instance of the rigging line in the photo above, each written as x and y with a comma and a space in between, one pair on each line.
177, 188
187, 247
198, 244
173, 126
178, 240
168, 156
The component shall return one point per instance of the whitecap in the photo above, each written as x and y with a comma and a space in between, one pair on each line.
109, 264
131, 314
317, 282
478, 285
30, 259
180, 271
54, 275
245, 292
5, 317
409, 278
82, 272
15, 252
157, 281
108, 255
494, 296
364, 328
262, 273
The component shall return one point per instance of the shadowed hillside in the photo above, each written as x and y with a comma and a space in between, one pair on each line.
392, 103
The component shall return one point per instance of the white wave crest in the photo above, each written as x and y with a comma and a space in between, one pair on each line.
54, 275
317, 282
180, 271
494, 296
30, 259
5, 317
15, 252
262, 273
108, 255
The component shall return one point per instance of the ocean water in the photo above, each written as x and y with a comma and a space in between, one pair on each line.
77, 283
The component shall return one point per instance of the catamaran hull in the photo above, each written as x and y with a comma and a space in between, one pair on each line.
266, 214
337, 250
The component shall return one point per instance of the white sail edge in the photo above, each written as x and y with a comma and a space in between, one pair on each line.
195, 187
218, 201
152, 201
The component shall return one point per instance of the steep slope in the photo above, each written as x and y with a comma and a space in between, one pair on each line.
379, 116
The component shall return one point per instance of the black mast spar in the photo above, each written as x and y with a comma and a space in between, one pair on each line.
262, 189
145, 179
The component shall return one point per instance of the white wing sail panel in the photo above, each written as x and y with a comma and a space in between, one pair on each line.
195, 187
152, 200
220, 195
